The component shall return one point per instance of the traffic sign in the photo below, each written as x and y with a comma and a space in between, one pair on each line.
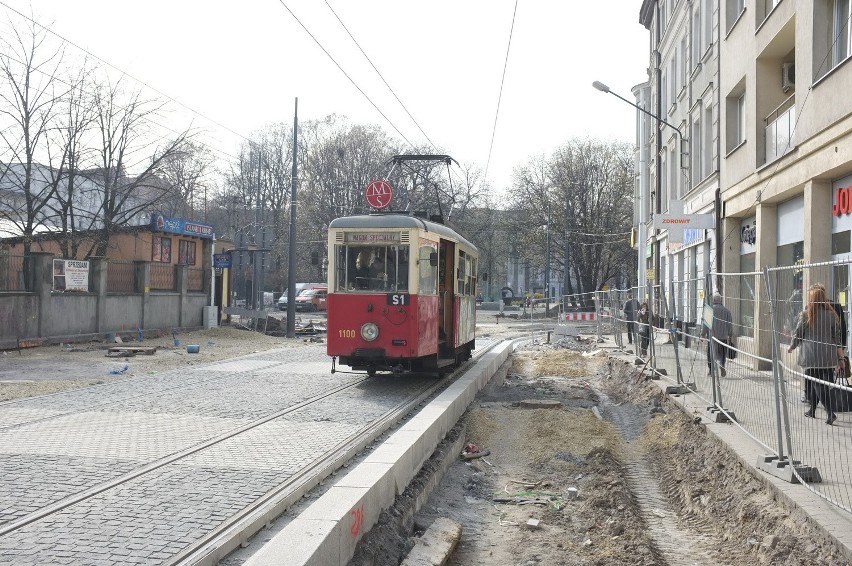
379, 194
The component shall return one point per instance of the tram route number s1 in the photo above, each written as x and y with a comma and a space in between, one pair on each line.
398, 299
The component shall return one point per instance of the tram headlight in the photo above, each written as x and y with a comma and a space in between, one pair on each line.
369, 331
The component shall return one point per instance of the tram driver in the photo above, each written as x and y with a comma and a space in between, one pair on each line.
362, 270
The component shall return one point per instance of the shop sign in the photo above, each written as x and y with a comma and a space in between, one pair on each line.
842, 201
221, 260
160, 223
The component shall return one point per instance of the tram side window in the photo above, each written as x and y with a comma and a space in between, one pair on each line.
470, 285
427, 273
460, 272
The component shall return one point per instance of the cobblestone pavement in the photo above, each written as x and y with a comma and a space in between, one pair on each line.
56, 446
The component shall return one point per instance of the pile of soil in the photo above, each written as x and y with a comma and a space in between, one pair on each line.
575, 475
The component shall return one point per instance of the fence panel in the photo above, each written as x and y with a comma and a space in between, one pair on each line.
162, 277
195, 279
746, 387
12, 269
809, 438
120, 276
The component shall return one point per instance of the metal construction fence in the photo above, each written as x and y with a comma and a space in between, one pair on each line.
737, 358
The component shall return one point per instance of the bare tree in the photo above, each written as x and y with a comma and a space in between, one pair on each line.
29, 93
187, 172
130, 161
73, 123
580, 198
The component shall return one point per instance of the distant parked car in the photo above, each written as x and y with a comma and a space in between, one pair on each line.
282, 300
312, 300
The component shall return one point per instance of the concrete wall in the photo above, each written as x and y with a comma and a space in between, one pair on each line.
48, 315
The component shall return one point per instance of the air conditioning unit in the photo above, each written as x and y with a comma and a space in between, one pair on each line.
788, 76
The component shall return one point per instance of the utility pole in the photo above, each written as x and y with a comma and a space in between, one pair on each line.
291, 264
257, 299
547, 266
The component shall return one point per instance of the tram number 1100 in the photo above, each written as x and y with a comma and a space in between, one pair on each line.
346, 333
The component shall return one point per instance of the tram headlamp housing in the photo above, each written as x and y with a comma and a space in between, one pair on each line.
369, 331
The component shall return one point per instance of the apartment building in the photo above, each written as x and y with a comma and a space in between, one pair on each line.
683, 144
786, 130
758, 90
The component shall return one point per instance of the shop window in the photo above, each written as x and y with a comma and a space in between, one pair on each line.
840, 243
186, 252
161, 249
748, 296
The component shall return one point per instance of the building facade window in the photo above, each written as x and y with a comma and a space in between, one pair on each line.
740, 117
734, 11
674, 78
161, 249
186, 252
708, 24
735, 118
840, 31
707, 143
696, 148
696, 37
674, 168
684, 63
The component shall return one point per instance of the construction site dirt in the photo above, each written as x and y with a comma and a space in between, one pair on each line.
615, 474
587, 462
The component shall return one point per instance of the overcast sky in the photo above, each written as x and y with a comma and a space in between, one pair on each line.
242, 63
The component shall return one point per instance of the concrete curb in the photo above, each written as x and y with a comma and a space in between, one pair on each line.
327, 532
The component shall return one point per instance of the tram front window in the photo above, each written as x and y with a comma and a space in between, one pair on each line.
372, 268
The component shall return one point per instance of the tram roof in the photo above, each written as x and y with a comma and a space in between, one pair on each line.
401, 221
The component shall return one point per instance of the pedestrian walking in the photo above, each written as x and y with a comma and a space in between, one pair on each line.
631, 307
722, 332
817, 337
643, 321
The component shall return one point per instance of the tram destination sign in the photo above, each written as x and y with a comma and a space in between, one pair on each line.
372, 237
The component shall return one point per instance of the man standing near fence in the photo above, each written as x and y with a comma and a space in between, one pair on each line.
722, 330
630, 309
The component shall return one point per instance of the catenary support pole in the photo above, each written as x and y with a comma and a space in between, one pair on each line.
291, 264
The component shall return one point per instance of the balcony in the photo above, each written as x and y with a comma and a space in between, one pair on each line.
779, 130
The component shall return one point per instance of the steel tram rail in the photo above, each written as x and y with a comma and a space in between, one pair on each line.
221, 540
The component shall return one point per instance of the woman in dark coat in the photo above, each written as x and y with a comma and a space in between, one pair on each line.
817, 336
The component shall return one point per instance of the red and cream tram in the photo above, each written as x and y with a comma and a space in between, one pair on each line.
401, 294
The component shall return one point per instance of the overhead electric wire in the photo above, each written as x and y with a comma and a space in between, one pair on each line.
380, 75
351, 80
147, 119
500, 95
107, 63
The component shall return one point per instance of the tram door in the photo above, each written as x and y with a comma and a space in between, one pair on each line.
446, 280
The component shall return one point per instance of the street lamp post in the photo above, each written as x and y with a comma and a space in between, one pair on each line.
644, 192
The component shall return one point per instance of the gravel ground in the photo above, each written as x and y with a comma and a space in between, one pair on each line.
50, 369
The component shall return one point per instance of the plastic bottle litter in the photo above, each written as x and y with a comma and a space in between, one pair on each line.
118, 371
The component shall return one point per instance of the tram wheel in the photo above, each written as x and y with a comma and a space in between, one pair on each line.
371, 372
